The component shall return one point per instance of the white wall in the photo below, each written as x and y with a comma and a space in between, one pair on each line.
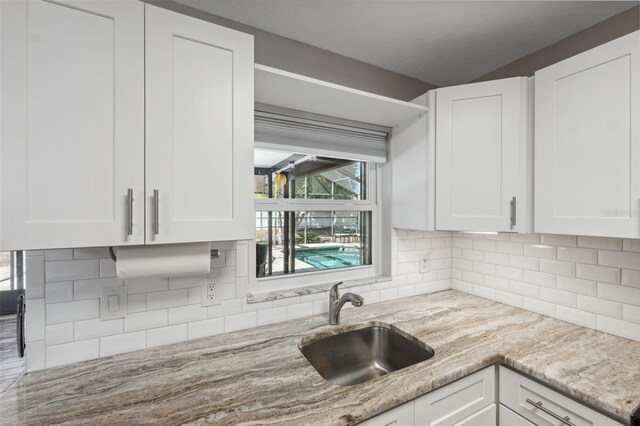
590, 281
63, 318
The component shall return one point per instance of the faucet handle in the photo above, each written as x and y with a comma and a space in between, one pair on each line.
334, 288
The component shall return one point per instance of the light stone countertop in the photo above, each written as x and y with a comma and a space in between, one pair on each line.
258, 376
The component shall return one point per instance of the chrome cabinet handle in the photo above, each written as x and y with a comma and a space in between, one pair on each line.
564, 420
20, 326
513, 212
156, 212
130, 205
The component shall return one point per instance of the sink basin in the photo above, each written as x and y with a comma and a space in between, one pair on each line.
356, 356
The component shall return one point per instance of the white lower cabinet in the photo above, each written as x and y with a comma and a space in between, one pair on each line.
455, 402
468, 401
403, 415
484, 417
544, 406
507, 417
475, 401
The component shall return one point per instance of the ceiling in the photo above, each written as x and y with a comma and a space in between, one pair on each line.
439, 42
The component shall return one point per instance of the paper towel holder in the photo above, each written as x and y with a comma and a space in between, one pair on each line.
215, 253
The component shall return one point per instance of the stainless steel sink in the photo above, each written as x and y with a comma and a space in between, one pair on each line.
356, 356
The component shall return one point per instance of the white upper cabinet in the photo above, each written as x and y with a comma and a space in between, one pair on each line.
72, 138
587, 142
412, 152
199, 130
483, 157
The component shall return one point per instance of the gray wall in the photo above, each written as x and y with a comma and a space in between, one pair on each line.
290, 55
607, 30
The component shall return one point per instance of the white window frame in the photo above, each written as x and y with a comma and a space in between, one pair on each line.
315, 278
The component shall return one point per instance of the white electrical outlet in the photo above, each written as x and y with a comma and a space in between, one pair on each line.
209, 297
425, 263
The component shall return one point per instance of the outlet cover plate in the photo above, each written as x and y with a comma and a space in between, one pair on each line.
113, 302
209, 292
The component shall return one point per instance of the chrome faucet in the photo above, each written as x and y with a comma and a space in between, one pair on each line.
336, 302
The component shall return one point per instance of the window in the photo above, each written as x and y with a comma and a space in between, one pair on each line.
314, 214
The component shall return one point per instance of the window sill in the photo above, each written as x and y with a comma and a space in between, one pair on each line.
270, 295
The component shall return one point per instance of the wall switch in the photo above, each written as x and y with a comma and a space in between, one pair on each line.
425, 263
113, 302
209, 294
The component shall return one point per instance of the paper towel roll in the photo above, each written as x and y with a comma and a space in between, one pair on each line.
167, 260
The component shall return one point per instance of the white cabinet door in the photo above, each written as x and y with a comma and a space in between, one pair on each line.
399, 416
483, 158
542, 405
412, 151
457, 401
72, 138
507, 417
587, 142
199, 130
485, 417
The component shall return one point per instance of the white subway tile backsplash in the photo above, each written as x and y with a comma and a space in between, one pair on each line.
34, 268
58, 254
540, 278
145, 320
599, 273
600, 306
540, 251
509, 273
72, 311
72, 352
167, 299
241, 321
209, 327
136, 303
631, 278
121, 343
226, 307
524, 289
36, 356
59, 292
91, 253
558, 296
59, 333
600, 243
187, 313
68, 270
166, 335
517, 269
580, 255
273, 315
510, 247
577, 286
619, 259
619, 293
539, 306
558, 268
576, 316
524, 262
147, 285
90, 329
618, 327
496, 258
558, 240
631, 245
35, 320
90, 289
631, 313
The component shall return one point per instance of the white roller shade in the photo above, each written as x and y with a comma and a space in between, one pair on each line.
275, 131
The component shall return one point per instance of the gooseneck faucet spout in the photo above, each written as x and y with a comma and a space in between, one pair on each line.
336, 303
